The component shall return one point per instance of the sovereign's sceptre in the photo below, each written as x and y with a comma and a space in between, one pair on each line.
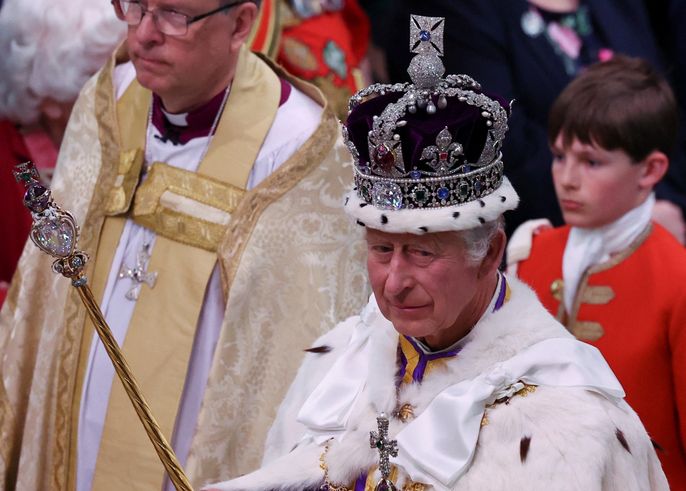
55, 232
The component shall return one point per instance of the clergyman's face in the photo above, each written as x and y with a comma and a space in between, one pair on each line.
195, 65
594, 186
423, 284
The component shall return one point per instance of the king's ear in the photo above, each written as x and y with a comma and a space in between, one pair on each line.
655, 166
494, 256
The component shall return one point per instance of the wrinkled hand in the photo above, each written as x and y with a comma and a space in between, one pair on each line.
670, 217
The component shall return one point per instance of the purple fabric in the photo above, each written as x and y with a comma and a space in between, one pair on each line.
424, 359
285, 91
199, 120
402, 363
465, 123
361, 482
501, 295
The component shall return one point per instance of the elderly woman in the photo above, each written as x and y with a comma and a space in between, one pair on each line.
453, 376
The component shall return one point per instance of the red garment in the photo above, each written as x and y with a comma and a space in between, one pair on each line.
632, 308
327, 50
15, 219
308, 49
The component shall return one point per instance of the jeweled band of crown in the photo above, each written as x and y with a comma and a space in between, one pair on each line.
442, 176
396, 194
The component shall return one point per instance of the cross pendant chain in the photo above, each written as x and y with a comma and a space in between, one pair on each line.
387, 448
138, 274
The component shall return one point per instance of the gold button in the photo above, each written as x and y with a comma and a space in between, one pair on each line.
556, 288
405, 413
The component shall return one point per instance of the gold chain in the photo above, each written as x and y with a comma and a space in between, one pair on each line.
409, 485
322, 465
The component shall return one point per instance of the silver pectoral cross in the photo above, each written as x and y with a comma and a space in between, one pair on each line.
387, 448
139, 273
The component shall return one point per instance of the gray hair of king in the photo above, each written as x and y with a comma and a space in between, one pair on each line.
477, 240
50, 49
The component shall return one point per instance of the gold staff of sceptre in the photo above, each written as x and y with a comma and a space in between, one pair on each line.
55, 232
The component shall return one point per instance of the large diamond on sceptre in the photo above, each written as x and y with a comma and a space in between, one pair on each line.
56, 233
54, 230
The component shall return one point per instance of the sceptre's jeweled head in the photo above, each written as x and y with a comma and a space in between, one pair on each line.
427, 154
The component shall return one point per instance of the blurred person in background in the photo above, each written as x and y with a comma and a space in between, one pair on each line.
49, 51
321, 41
529, 50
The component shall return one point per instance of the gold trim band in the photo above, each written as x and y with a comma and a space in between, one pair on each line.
185, 206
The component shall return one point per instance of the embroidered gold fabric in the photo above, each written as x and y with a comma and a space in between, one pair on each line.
281, 295
272, 302
526, 390
405, 413
245, 390
523, 392
587, 330
597, 295
182, 224
414, 486
126, 153
130, 165
325, 468
39, 341
338, 97
160, 319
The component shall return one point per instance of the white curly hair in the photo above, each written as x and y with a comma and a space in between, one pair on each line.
49, 48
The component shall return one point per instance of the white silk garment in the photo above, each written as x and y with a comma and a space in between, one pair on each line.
327, 410
295, 121
428, 449
587, 247
438, 446
519, 378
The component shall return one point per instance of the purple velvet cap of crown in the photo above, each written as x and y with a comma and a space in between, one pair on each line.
464, 121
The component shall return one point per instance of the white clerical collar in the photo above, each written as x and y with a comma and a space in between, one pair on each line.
587, 247
180, 128
180, 119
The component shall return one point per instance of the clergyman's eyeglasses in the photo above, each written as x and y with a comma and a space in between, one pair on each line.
168, 21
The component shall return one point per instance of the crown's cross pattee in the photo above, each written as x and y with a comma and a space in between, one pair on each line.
387, 448
139, 274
